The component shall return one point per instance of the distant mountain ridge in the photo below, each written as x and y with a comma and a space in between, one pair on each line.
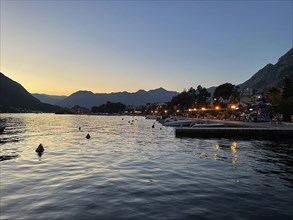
272, 75
141, 97
50, 99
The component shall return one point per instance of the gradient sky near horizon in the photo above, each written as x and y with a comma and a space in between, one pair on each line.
59, 47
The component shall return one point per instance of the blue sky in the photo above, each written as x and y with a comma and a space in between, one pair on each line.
59, 47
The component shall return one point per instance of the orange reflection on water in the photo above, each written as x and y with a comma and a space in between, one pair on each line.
234, 153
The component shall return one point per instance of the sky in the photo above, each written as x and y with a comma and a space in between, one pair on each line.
60, 47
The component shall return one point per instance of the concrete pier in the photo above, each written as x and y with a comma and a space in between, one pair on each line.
239, 130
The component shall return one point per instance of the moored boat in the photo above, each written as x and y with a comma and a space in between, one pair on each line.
179, 123
208, 125
151, 117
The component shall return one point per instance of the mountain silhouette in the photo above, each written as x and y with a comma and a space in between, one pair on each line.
141, 97
15, 98
272, 75
50, 99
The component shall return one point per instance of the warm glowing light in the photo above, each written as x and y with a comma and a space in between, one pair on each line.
152, 111
203, 109
190, 110
217, 107
216, 146
233, 107
234, 148
166, 111
194, 109
156, 112
178, 110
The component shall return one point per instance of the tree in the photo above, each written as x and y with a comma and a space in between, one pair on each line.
183, 100
274, 96
202, 96
288, 88
109, 107
285, 105
225, 91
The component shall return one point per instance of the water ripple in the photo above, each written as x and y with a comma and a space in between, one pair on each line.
134, 171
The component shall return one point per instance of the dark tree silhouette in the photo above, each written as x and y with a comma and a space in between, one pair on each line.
225, 91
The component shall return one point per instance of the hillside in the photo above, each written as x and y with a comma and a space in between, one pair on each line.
15, 98
272, 75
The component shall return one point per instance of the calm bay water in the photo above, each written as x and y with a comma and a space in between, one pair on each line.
134, 171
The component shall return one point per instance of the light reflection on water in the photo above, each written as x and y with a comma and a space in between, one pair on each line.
134, 171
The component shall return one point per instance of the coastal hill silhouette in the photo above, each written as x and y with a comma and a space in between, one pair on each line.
15, 98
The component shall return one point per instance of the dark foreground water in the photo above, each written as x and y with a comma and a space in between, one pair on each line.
134, 171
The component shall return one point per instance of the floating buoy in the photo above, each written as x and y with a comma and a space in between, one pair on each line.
40, 149
88, 136
79, 128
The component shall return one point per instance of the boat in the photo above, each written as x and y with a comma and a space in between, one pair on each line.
179, 123
208, 125
165, 118
151, 117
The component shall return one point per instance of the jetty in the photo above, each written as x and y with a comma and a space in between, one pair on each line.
240, 130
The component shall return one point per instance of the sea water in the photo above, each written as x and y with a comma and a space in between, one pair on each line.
129, 170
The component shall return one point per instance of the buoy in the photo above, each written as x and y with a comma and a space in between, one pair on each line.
79, 128
88, 136
153, 125
40, 149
